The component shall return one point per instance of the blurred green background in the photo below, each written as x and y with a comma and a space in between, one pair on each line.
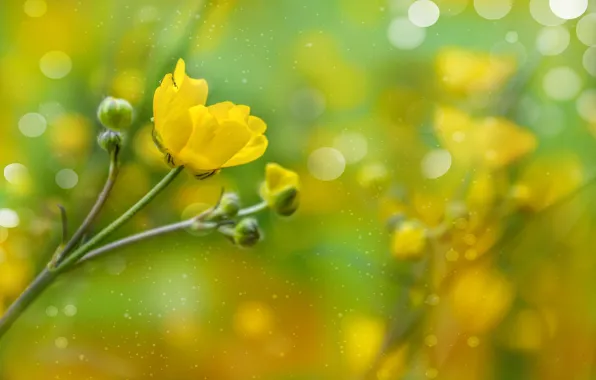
471, 121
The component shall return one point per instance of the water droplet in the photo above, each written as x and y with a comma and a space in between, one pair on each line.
9, 218
32, 124
404, 35
436, 163
55, 64
424, 13
326, 164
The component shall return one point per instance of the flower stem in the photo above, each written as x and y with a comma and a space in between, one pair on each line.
195, 222
101, 200
82, 250
253, 209
34, 289
191, 223
48, 275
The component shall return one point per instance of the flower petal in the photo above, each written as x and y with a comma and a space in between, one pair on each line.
221, 110
257, 125
254, 149
212, 144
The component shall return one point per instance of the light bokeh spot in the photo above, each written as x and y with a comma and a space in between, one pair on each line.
55, 64
9, 218
492, 9
586, 29
562, 83
16, 173
32, 124
568, 9
67, 178
436, 163
589, 61
541, 12
586, 105
326, 164
424, 13
553, 40
404, 35
352, 145
35, 8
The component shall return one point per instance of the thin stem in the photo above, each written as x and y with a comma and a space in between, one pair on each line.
82, 250
253, 209
196, 223
38, 285
147, 235
101, 200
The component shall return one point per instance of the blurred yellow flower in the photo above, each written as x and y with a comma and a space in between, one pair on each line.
493, 142
394, 365
363, 338
204, 139
409, 240
254, 320
466, 72
480, 298
547, 180
281, 189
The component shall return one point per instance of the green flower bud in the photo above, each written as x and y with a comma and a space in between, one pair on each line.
109, 140
228, 207
115, 113
286, 201
247, 233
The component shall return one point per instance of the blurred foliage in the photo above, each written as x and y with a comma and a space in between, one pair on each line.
456, 145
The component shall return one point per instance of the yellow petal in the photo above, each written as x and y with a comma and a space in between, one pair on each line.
256, 125
179, 73
221, 110
212, 144
255, 148
240, 113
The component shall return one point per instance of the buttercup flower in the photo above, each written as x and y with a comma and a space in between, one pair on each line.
203, 139
281, 189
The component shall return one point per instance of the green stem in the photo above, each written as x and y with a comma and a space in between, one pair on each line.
48, 275
41, 282
82, 250
101, 200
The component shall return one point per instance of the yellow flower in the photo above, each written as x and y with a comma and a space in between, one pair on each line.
409, 240
493, 142
281, 189
467, 72
480, 299
203, 139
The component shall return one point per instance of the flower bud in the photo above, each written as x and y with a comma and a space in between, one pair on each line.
115, 113
281, 189
247, 233
109, 140
228, 207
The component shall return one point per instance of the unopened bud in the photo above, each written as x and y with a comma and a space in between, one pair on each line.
228, 207
115, 113
247, 233
109, 140
281, 189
